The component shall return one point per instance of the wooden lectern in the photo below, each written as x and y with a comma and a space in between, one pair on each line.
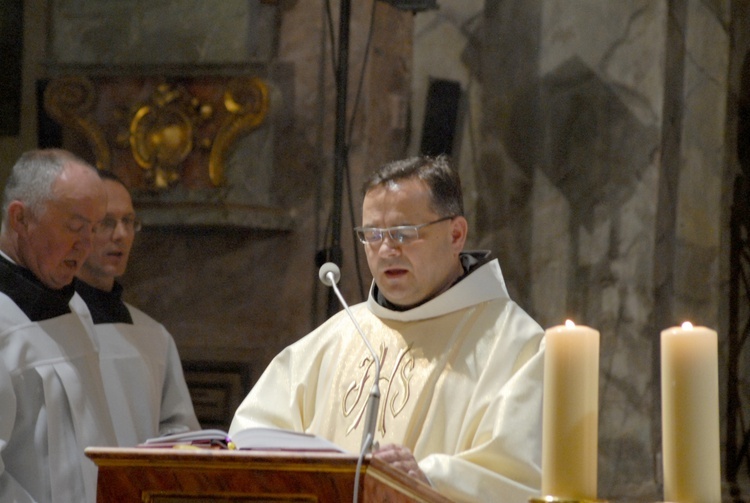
148, 475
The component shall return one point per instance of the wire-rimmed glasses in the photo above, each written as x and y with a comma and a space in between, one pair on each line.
108, 225
401, 234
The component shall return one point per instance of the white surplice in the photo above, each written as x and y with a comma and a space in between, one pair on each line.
143, 377
461, 386
52, 406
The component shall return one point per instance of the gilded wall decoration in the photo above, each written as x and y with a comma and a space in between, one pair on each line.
162, 133
195, 150
163, 129
71, 101
248, 102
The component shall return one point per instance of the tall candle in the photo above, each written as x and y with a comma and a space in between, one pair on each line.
570, 412
690, 414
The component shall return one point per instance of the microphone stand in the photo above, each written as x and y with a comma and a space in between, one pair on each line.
329, 274
373, 402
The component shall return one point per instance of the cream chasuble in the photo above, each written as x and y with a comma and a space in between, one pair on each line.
461, 387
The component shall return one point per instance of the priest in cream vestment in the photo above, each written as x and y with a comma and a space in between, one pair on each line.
462, 364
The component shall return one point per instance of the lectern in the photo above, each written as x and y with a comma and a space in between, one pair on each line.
145, 475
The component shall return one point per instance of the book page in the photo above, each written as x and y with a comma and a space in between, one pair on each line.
285, 440
259, 438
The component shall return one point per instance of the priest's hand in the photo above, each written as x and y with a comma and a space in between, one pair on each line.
402, 459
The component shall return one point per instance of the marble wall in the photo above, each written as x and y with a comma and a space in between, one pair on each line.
161, 31
595, 153
594, 143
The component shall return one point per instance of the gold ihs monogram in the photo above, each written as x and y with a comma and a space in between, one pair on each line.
395, 393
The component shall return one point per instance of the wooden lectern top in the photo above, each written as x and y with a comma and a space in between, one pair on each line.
147, 475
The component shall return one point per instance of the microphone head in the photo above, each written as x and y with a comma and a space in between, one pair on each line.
325, 272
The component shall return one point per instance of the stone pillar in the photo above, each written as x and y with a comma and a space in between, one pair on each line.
602, 165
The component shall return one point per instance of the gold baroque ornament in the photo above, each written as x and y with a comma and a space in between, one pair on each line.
70, 101
247, 101
161, 134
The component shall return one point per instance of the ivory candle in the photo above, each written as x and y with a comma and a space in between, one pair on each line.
570, 412
690, 414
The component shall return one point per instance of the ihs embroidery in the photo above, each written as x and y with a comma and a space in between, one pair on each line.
394, 388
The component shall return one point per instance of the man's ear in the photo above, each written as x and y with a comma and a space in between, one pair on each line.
459, 230
18, 216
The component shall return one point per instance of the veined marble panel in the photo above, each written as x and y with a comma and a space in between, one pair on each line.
162, 31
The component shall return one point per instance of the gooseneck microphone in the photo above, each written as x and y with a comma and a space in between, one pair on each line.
330, 274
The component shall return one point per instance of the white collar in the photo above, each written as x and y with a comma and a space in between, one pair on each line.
483, 284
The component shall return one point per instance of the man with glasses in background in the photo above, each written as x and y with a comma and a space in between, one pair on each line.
143, 376
461, 363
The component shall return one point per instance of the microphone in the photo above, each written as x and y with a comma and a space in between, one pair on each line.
330, 274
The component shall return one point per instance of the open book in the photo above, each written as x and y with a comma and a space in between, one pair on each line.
262, 439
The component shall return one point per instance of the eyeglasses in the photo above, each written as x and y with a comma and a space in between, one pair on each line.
107, 226
401, 234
